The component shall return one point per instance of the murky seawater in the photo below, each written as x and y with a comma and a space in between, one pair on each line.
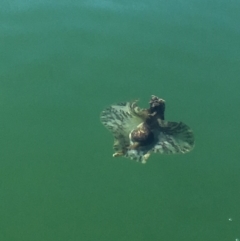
62, 63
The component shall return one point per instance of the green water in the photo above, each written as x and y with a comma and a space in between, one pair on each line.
62, 63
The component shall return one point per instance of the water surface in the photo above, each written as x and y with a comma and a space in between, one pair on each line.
61, 64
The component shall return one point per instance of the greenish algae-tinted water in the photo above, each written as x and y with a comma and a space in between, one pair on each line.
62, 63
